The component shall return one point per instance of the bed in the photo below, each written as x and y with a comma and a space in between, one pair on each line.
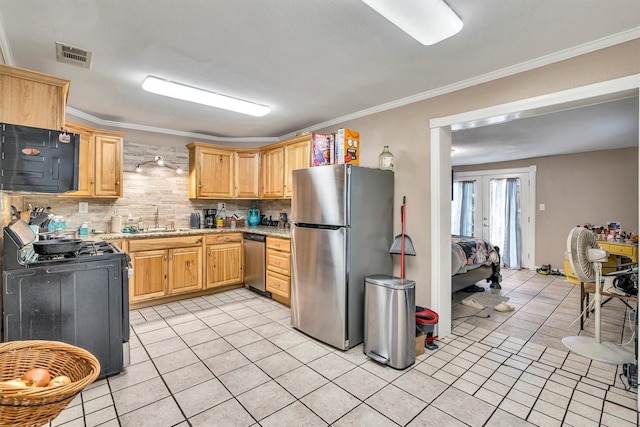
473, 260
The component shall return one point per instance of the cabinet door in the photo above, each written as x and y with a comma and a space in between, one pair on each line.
26, 101
215, 172
185, 270
149, 275
224, 265
296, 156
247, 175
108, 166
85, 161
272, 173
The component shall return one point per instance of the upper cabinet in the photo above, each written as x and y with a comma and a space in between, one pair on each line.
100, 168
247, 166
33, 99
278, 161
272, 173
210, 171
217, 172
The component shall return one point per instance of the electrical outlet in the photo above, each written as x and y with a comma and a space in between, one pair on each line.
221, 206
83, 207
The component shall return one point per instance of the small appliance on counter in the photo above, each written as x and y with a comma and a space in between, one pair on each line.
194, 221
210, 218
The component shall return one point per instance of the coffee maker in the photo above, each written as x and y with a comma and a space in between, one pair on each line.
210, 218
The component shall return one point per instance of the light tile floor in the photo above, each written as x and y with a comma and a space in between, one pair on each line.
232, 359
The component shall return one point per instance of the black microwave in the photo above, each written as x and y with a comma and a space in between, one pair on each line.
38, 160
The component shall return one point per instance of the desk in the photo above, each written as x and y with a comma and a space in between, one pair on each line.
616, 251
590, 288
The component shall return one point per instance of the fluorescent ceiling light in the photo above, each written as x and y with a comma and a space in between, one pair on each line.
200, 96
428, 21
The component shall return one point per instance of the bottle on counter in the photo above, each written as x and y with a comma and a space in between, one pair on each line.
385, 160
140, 224
220, 218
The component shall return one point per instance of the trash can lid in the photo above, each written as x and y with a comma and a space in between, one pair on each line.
390, 281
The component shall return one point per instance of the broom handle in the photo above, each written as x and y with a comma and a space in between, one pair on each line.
402, 208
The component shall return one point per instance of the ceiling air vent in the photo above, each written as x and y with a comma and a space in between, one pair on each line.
73, 55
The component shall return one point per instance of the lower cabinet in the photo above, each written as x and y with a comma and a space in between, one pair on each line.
224, 260
165, 266
279, 269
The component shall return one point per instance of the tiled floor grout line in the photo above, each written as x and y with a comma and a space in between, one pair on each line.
516, 357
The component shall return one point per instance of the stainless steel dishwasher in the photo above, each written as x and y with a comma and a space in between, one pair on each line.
255, 263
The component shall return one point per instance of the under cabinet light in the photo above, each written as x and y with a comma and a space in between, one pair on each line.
428, 21
201, 96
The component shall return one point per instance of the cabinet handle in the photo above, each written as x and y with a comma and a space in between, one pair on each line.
165, 257
117, 182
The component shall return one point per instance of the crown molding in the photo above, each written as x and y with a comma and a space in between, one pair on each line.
572, 52
199, 136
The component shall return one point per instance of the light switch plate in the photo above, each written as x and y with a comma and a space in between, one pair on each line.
542, 206
221, 206
83, 207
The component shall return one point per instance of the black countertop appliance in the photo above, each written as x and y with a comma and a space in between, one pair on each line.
38, 160
79, 297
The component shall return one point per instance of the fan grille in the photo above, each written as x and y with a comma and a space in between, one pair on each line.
579, 242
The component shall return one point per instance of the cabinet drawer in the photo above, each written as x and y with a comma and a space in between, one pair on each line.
278, 284
279, 244
280, 262
164, 243
212, 239
621, 250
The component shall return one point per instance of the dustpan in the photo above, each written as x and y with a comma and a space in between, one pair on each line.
396, 247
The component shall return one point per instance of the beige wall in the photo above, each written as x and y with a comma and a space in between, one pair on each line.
406, 131
595, 188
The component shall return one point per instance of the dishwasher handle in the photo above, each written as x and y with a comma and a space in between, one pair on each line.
255, 237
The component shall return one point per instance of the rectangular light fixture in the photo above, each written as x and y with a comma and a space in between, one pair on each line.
428, 21
201, 96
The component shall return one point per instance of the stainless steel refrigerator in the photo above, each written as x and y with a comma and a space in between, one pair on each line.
342, 218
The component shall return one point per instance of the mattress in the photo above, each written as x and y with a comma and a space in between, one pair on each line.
469, 253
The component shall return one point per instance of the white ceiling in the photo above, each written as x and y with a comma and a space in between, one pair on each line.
315, 62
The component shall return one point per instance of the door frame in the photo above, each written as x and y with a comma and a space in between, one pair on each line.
528, 228
440, 173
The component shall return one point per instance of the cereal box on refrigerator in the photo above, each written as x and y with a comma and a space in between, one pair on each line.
347, 146
321, 149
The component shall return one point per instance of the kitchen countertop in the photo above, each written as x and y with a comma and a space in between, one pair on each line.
267, 231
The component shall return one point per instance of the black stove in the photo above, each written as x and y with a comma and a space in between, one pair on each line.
80, 297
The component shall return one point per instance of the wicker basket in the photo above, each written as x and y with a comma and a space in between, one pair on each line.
35, 406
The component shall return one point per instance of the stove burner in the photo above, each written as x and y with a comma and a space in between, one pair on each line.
53, 257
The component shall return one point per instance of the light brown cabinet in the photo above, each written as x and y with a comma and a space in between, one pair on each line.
221, 173
247, 167
100, 162
272, 173
211, 171
33, 99
297, 155
224, 260
278, 161
164, 267
279, 269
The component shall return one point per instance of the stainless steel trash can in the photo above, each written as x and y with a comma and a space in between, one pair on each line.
390, 320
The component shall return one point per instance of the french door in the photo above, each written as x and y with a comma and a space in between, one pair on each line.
496, 206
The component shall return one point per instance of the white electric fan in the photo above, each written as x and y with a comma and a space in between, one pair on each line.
585, 258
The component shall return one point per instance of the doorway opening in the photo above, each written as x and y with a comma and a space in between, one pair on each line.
441, 176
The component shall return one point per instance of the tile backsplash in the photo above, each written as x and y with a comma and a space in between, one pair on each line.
142, 192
